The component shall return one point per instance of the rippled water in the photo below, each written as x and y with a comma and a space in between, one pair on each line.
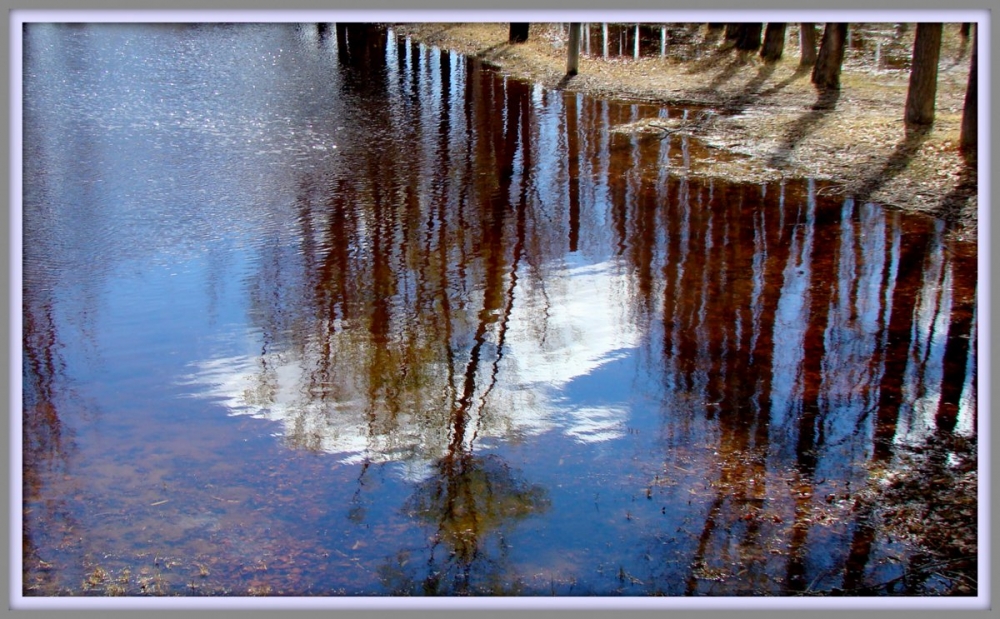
301, 321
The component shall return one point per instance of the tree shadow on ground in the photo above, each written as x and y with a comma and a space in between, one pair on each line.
739, 102
799, 74
958, 198
963, 53
492, 51
803, 126
714, 60
736, 103
727, 73
900, 158
564, 82
437, 33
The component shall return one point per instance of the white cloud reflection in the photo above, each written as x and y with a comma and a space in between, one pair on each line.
581, 327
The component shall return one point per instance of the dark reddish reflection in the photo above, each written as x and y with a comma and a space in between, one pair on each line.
46, 444
818, 338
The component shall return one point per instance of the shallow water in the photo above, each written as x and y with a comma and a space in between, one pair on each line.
301, 321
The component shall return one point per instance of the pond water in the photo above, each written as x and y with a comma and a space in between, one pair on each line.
303, 318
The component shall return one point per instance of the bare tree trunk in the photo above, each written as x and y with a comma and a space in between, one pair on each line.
807, 45
970, 127
774, 42
749, 39
518, 33
733, 32
713, 32
923, 75
573, 51
966, 30
826, 73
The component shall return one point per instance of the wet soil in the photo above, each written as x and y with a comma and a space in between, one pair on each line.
766, 120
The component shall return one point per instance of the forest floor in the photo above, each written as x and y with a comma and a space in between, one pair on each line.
769, 120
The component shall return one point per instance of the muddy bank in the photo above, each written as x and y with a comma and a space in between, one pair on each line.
767, 121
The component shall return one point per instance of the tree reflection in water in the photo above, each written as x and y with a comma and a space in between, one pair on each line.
469, 502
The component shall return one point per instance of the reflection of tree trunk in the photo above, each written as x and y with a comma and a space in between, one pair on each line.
823, 275
444, 63
741, 450
775, 250
517, 99
861, 547
675, 255
824, 281
713, 274
618, 185
642, 241
494, 251
677, 312
956, 351
383, 280
899, 334
899, 342
42, 428
44, 438
743, 440
573, 148
694, 285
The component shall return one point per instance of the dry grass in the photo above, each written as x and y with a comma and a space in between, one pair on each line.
768, 117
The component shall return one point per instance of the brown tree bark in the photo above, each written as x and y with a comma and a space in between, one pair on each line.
749, 39
923, 75
518, 33
573, 50
733, 32
826, 73
807, 45
969, 140
774, 42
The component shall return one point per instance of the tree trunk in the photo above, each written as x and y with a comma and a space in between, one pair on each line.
965, 30
923, 75
573, 50
749, 39
826, 73
518, 33
774, 42
970, 128
733, 32
807, 45
713, 32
